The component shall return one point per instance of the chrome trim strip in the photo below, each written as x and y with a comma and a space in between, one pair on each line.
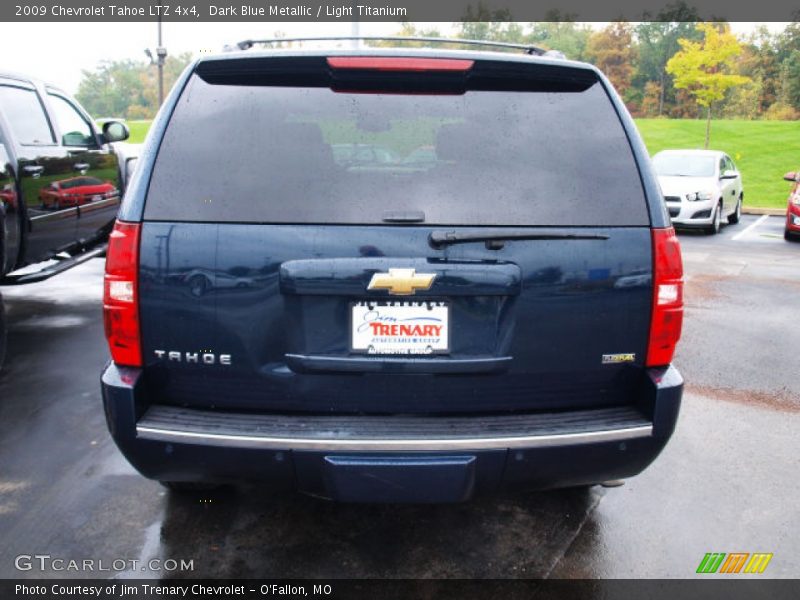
371, 445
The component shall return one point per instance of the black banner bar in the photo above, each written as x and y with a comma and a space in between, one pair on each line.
391, 10
733, 588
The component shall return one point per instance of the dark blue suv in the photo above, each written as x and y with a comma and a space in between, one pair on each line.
402, 275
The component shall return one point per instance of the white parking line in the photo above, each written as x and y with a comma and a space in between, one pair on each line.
751, 226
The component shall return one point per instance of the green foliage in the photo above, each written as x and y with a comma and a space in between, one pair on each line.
127, 88
743, 101
565, 36
657, 43
790, 79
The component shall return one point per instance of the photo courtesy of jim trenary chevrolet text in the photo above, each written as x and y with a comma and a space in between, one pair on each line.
399, 299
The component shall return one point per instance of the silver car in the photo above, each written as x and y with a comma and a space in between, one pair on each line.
701, 187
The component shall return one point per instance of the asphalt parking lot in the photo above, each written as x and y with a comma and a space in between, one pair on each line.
727, 482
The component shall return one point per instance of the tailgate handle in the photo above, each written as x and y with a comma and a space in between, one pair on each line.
320, 363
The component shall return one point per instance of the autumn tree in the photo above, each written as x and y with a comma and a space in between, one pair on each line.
651, 99
613, 53
704, 68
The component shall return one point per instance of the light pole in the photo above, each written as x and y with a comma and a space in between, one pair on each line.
161, 57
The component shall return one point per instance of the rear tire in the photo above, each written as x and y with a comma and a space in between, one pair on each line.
189, 486
716, 223
737, 214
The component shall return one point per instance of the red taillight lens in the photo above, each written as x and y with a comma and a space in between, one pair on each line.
120, 295
396, 63
665, 326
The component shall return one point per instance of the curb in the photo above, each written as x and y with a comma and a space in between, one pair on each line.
757, 210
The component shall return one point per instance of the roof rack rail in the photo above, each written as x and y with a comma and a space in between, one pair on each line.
527, 48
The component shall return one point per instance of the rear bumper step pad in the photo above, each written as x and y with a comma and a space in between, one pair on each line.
376, 433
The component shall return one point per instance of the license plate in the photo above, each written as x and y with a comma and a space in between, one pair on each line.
402, 327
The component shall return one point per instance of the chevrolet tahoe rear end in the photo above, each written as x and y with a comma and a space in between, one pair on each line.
392, 275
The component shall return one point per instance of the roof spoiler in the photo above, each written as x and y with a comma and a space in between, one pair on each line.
526, 48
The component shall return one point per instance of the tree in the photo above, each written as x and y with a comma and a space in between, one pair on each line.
485, 25
611, 50
658, 41
127, 88
759, 61
563, 35
790, 80
407, 30
651, 99
704, 68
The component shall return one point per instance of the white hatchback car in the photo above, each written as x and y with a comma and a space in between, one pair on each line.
701, 187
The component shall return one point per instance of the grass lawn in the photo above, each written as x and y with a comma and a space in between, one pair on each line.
138, 130
763, 150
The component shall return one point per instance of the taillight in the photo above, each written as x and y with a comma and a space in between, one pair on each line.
665, 326
399, 63
120, 295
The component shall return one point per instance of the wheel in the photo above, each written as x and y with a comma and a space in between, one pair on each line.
189, 486
716, 223
789, 236
737, 214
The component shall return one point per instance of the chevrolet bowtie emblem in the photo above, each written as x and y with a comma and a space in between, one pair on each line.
401, 282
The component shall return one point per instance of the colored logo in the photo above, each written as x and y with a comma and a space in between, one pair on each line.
401, 282
735, 562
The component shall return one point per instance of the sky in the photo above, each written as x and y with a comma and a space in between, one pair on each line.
84, 45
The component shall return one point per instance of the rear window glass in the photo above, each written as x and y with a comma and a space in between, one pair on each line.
288, 154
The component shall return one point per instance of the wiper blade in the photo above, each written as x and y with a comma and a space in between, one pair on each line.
495, 237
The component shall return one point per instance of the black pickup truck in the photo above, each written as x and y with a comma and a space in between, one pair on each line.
60, 178
61, 181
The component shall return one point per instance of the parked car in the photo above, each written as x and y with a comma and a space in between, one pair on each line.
413, 335
76, 192
792, 231
60, 179
700, 187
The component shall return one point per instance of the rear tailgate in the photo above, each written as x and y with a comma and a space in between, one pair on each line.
475, 241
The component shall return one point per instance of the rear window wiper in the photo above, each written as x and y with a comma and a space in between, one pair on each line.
495, 238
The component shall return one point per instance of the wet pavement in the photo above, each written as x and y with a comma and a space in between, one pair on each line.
727, 482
